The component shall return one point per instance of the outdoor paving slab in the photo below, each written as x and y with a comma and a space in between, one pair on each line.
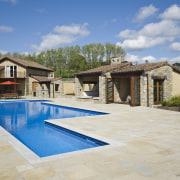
9, 174
39, 173
144, 145
79, 172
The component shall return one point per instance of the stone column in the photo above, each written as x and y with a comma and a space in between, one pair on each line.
102, 89
116, 90
143, 90
78, 86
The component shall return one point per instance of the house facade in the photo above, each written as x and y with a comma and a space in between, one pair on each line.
146, 84
99, 81
34, 78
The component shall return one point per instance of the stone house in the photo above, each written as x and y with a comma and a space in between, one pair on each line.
146, 84
96, 84
34, 78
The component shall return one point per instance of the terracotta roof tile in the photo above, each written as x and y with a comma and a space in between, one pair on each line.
26, 63
104, 69
56, 79
144, 68
45, 78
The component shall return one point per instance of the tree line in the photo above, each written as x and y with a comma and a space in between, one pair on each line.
66, 61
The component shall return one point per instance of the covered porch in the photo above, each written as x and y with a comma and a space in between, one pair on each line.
99, 81
126, 89
41, 86
87, 87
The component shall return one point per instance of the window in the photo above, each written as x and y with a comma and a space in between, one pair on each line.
11, 71
56, 87
51, 75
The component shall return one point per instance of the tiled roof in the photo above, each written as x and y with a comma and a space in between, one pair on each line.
144, 67
56, 79
104, 69
26, 63
45, 79
2, 67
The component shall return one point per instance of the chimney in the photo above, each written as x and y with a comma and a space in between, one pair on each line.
116, 60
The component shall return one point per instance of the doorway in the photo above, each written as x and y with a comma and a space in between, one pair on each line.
158, 91
34, 86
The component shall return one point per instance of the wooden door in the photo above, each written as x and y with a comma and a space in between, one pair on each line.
158, 91
34, 85
135, 90
109, 90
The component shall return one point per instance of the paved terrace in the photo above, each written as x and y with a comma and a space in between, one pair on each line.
145, 144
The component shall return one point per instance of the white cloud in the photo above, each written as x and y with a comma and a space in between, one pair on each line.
154, 30
3, 52
149, 58
6, 29
141, 60
174, 60
141, 42
62, 35
132, 58
164, 28
175, 46
74, 29
11, 1
146, 12
128, 34
172, 13
152, 34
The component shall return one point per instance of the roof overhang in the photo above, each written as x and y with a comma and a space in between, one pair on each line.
88, 74
130, 73
159, 77
25, 66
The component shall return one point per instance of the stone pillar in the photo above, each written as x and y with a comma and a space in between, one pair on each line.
167, 86
78, 86
116, 90
102, 89
168, 72
143, 90
61, 88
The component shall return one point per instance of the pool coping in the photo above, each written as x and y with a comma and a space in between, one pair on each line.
32, 158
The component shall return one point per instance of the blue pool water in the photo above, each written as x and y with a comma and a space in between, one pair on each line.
25, 121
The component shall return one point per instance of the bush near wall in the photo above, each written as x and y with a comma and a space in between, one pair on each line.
174, 101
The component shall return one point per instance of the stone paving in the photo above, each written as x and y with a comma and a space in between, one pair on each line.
144, 144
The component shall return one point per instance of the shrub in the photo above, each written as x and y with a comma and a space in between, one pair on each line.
174, 101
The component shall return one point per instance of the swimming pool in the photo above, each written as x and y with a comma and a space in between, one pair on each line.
25, 121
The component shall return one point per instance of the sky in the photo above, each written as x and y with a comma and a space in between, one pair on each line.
146, 29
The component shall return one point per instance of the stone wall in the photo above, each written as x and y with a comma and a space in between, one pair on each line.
102, 89
59, 92
78, 86
176, 84
29, 80
116, 90
167, 93
121, 89
68, 88
21, 71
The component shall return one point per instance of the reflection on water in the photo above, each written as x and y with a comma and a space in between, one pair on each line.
25, 120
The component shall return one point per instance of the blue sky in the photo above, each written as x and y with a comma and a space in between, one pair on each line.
145, 29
